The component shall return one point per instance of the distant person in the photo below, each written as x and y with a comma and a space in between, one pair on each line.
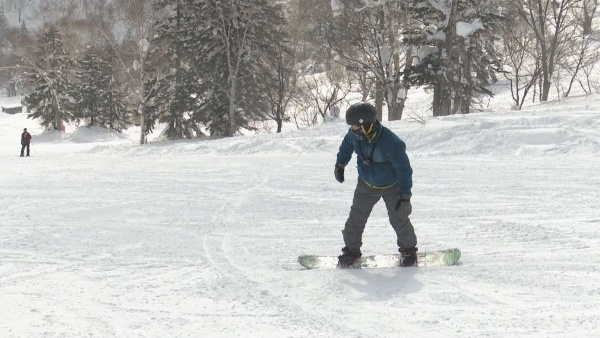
25, 141
383, 171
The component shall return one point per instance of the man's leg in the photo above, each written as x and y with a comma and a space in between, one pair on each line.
27, 149
22, 149
405, 233
362, 205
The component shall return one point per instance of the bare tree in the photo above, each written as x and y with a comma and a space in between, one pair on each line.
366, 37
585, 53
283, 89
520, 67
320, 94
583, 49
553, 25
588, 10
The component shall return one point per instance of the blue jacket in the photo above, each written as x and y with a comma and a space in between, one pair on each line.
389, 165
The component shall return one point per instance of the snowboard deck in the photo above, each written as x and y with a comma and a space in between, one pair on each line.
425, 258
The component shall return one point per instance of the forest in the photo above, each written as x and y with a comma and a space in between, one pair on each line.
215, 67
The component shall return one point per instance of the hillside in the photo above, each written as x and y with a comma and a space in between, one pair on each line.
102, 237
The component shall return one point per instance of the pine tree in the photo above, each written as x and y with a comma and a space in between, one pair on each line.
50, 101
98, 97
235, 39
181, 84
23, 31
90, 88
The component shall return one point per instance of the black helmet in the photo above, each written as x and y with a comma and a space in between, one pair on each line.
361, 113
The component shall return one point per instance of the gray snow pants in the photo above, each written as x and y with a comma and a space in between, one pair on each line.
364, 200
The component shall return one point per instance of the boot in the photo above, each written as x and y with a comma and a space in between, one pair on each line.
348, 257
408, 257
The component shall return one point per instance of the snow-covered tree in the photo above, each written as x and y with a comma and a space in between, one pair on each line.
236, 38
50, 102
462, 57
89, 89
376, 38
138, 58
151, 75
181, 84
99, 100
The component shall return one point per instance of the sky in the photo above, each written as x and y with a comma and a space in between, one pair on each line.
102, 237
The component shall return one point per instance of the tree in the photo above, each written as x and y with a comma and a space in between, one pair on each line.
18, 7
283, 88
235, 38
588, 10
520, 66
321, 94
181, 84
357, 34
97, 94
139, 59
89, 90
50, 101
461, 60
378, 39
309, 22
583, 51
553, 25
118, 115
3, 25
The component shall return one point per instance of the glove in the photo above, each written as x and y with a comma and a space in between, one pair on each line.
403, 207
338, 172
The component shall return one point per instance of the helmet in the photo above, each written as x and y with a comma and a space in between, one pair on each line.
360, 113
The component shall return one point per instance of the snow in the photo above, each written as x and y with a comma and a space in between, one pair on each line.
465, 29
102, 237
337, 7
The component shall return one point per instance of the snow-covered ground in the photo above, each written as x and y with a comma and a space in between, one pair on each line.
102, 237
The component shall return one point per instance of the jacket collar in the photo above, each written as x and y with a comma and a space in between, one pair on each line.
377, 132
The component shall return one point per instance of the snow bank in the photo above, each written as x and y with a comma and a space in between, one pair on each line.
570, 127
515, 134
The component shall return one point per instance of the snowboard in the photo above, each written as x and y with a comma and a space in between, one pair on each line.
425, 258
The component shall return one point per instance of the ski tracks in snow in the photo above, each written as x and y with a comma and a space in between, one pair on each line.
268, 311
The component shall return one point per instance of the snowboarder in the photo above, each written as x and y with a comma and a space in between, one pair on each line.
383, 171
25, 141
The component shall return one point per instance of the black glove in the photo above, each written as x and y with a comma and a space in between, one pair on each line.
403, 207
339, 172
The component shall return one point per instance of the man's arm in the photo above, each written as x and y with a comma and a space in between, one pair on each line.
401, 164
344, 155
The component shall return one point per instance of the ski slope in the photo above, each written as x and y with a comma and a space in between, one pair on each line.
102, 237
